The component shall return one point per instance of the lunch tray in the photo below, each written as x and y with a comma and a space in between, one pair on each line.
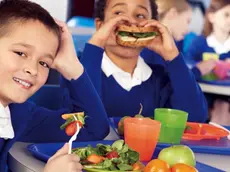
44, 151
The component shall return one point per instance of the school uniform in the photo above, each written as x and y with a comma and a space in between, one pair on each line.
203, 48
31, 123
151, 85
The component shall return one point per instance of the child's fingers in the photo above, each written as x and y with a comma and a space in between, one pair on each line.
143, 23
62, 151
62, 25
163, 29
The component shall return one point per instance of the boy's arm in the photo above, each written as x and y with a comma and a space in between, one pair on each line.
186, 93
44, 125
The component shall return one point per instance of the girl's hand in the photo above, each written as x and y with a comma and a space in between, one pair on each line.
103, 33
206, 67
164, 43
62, 161
66, 61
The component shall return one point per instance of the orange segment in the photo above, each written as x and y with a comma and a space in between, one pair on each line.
157, 165
183, 167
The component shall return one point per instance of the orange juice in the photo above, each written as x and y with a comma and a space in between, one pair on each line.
141, 134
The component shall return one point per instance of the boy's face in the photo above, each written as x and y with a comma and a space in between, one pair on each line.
221, 19
26, 53
137, 11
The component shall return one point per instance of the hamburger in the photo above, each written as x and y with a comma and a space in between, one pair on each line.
135, 36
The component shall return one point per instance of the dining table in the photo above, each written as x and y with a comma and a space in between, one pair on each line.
21, 160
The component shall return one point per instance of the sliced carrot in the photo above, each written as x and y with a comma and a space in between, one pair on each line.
95, 159
66, 116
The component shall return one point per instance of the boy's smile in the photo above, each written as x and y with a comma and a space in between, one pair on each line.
25, 84
26, 54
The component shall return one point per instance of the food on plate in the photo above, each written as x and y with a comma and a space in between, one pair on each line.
72, 120
178, 154
115, 157
135, 36
157, 165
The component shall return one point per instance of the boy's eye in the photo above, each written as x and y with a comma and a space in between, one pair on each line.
20, 53
118, 12
44, 64
141, 16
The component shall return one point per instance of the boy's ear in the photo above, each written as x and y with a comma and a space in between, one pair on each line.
98, 23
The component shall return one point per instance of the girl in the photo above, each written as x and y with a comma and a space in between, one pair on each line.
176, 15
26, 55
124, 80
213, 45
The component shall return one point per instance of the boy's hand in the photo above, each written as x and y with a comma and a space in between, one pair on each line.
206, 67
61, 161
163, 44
66, 61
103, 33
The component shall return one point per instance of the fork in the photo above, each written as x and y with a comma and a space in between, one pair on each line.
74, 137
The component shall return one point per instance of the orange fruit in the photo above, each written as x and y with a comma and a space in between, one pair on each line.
157, 165
183, 167
138, 166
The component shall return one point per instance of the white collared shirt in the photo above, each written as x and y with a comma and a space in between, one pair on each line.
141, 73
217, 46
6, 128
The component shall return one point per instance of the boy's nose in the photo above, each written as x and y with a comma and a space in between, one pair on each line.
31, 69
133, 21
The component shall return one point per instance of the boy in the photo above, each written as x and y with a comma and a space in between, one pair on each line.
31, 42
124, 80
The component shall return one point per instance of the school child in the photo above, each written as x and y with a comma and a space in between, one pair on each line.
124, 80
176, 15
31, 43
212, 46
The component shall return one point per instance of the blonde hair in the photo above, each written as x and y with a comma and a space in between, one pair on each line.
214, 7
165, 5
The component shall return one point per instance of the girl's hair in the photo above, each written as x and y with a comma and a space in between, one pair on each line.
165, 5
101, 5
214, 6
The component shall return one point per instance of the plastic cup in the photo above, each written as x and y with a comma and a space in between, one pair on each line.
141, 135
173, 123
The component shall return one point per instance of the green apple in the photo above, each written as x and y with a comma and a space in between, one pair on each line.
178, 154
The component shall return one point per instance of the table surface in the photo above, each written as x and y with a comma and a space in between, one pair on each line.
21, 160
215, 89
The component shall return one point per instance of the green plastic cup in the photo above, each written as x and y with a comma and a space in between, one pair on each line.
173, 123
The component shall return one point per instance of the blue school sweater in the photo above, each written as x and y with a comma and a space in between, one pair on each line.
35, 124
195, 53
175, 88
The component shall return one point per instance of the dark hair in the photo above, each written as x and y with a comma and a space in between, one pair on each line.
214, 6
101, 5
13, 11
